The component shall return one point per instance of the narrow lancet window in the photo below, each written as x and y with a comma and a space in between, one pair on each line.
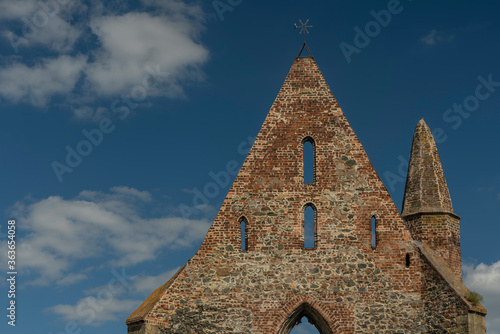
244, 236
374, 232
309, 160
309, 227
407, 260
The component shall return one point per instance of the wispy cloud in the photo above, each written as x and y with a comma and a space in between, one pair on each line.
39, 83
145, 285
435, 37
94, 312
115, 48
485, 279
71, 279
53, 25
62, 232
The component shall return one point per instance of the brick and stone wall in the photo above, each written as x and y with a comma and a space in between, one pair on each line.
442, 233
344, 285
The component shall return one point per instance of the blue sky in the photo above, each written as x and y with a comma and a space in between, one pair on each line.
116, 118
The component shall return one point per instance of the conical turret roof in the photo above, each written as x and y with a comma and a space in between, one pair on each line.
426, 189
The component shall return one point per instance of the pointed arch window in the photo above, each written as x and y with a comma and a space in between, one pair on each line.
407, 260
313, 317
309, 159
310, 226
244, 233
374, 232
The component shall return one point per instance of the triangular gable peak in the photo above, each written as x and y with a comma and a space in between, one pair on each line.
270, 190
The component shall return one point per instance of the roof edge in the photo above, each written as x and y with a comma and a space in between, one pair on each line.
410, 215
143, 310
442, 268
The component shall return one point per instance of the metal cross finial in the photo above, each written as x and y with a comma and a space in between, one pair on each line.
303, 28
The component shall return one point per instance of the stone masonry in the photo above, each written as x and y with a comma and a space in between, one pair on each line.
409, 282
427, 205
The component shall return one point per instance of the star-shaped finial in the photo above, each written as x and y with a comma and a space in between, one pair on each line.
303, 28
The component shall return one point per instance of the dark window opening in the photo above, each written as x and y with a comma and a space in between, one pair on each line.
374, 232
407, 260
309, 227
309, 160
244, 237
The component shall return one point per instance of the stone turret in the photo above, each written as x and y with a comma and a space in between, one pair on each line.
427, 207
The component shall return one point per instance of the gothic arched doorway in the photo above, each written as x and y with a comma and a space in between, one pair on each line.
309, 312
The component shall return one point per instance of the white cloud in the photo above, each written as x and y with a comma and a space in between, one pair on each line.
88, 113
131, 192
83, 113
44, 23
71, 279
141, 285
37, 84
61, 233
485, 279
133, 41
95, 311
434, 37
123, 48
57, 35
10, 10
